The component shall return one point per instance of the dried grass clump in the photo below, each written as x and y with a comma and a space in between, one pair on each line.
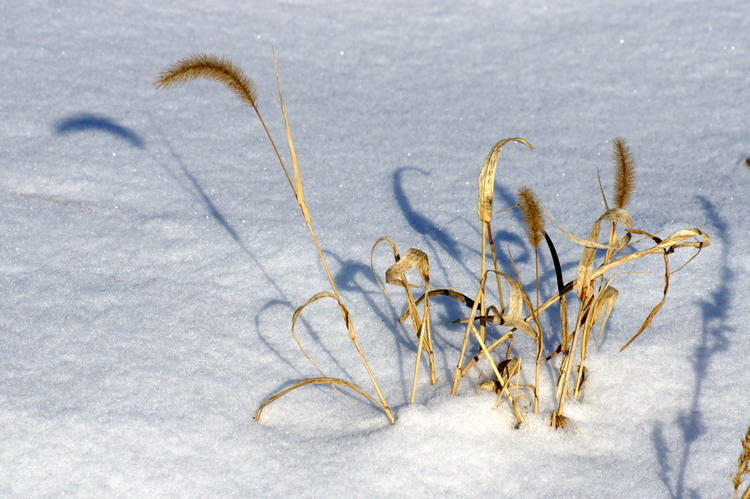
592, 286
501, 312
743, 468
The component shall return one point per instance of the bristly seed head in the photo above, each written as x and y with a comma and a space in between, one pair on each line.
214, 68
624, 172
532, 215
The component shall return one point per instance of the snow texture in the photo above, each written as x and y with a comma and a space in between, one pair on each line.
153, 254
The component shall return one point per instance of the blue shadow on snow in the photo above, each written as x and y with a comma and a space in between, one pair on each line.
713, 339
89, 122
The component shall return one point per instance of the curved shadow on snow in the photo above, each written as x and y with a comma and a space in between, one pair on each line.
714, 328
419, 222
347, 278
192, 187
433, 235
90, 122
268, 308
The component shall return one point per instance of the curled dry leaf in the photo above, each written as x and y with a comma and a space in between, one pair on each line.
487, 178
396, 274
413, 258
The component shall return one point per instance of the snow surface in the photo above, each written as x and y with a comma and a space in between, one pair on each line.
152, 253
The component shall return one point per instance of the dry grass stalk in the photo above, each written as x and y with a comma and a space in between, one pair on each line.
225, 72
743, 468
486, 181
513, 319
486, 194
396, 275
334, 382
532, 217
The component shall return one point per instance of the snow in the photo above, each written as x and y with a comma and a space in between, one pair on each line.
153, 255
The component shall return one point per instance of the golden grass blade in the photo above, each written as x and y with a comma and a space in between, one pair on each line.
334, 382
490, 348
512, 319
487, 178
469, 328
423, 339
352, 334
607, 297
396, 257
298, 191
616, 215
67, 204
413, 258
680, 239
495, 264
601, 189
658, 306
499, 376
396, 274
624, 172
602, 302
297, 313
566, 367
612, 215
508, 369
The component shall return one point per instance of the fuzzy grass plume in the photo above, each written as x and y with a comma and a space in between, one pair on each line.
532, 215
624, 172
210, 67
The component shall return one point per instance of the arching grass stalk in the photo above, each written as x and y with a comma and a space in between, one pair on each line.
225, 72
